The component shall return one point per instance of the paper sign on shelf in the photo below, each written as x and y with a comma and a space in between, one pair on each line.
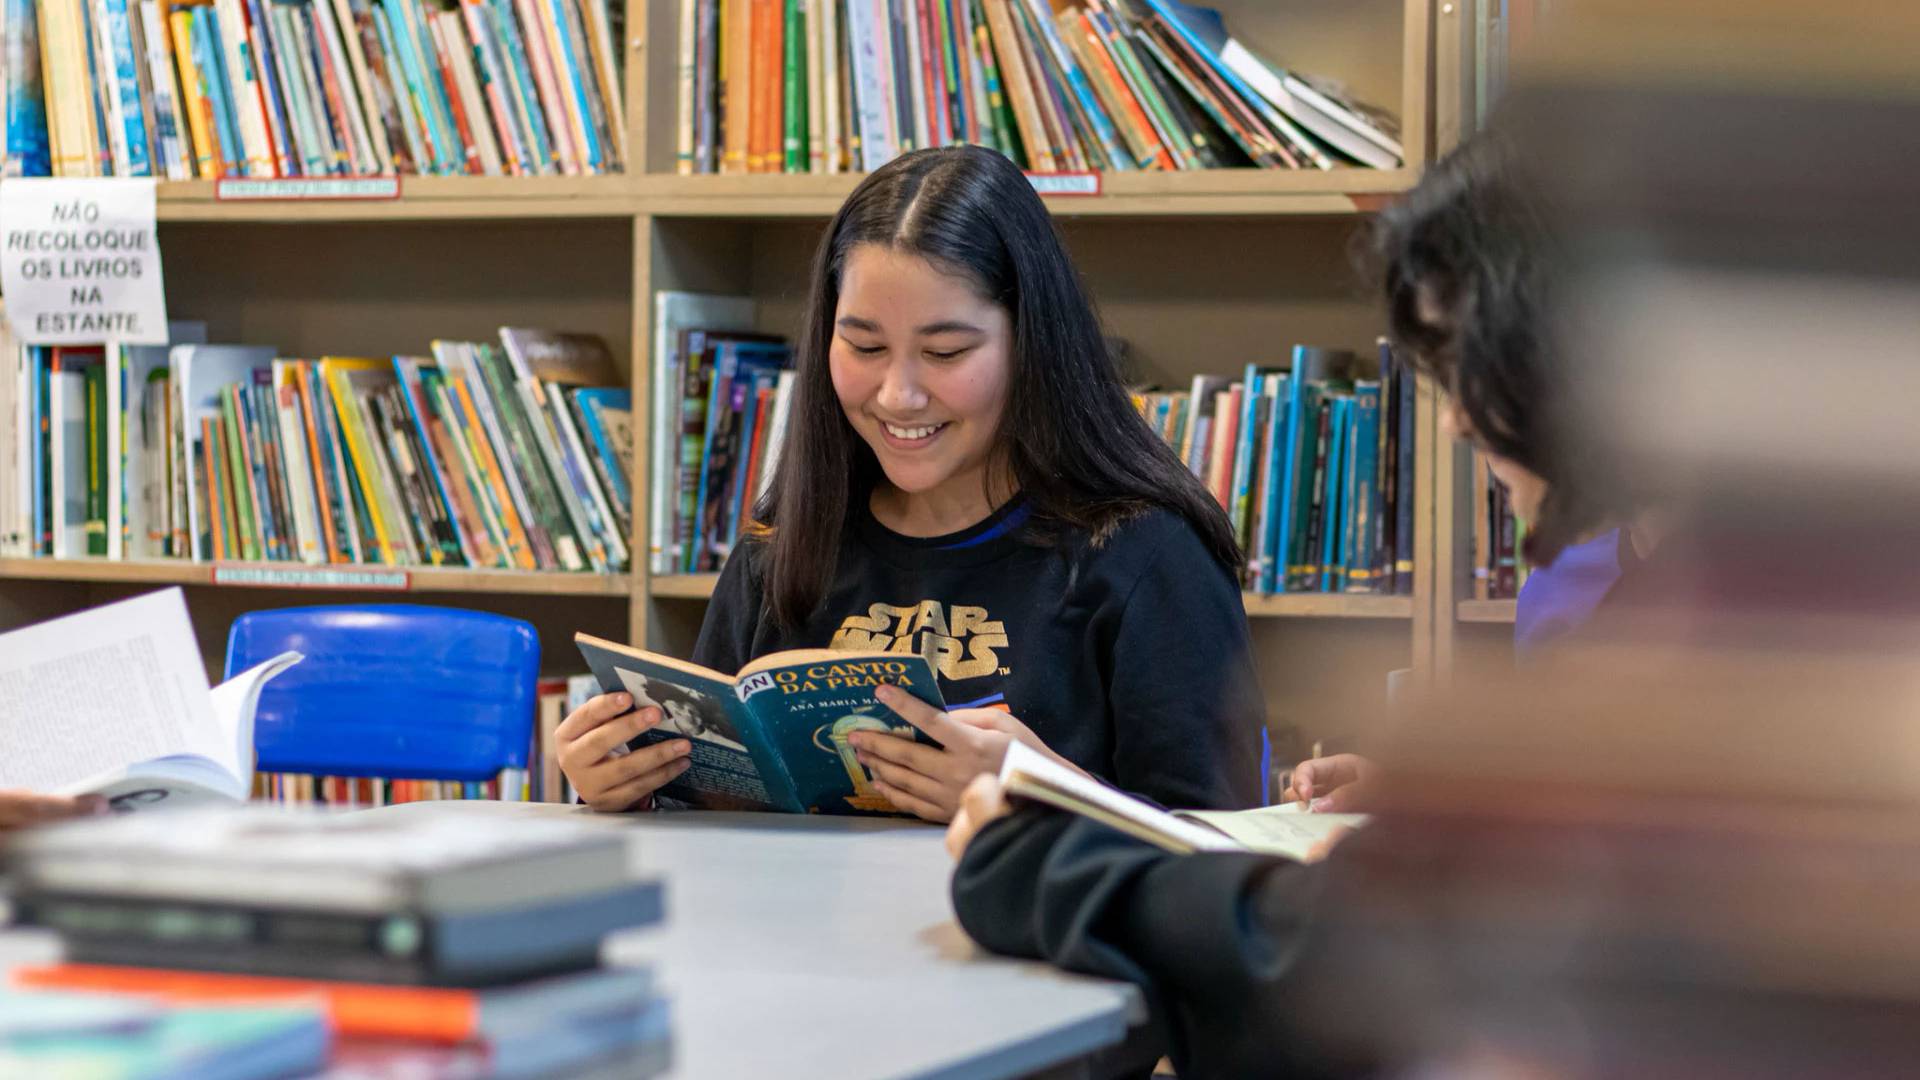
80, 262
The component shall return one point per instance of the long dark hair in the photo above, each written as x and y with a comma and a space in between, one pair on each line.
1475, 237
1069, 437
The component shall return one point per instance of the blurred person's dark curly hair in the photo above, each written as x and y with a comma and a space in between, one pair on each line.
1470, 268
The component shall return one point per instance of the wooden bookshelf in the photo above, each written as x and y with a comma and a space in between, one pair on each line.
1288, 605
1229, 192
355, 579
1198, 271
421, 198
683, 586
1484, 611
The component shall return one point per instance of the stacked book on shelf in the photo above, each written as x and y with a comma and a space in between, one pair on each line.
828, 86
429, 947
1314, 467
1498, 567
721, 401
264, 88
511, 455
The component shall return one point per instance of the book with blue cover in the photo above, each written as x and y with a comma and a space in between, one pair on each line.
102, 1037
775, 736
28, 152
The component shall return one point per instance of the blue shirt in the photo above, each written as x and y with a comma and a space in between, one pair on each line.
1559, 598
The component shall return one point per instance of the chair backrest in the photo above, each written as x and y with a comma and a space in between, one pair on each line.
397, 690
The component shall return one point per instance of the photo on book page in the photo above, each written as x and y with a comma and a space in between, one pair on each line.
687, 711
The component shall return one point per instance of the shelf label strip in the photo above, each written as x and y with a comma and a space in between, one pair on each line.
311, 578
1066, 183
242, 189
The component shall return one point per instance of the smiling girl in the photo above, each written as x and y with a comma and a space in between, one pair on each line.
967, 479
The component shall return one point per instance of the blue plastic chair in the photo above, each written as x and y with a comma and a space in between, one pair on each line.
392, 690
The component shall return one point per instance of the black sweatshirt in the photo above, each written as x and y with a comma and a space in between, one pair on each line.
1129, 657
1234, 951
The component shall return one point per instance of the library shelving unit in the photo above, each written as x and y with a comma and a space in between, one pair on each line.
1197, 271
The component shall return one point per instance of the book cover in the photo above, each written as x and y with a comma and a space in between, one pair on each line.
570, 34
553, 938
429, 1014
1253, 383
605, 416
482, 523
523, 91
250, 536
266, 55
673, 314
28, 152
95, 523
440, 473
1333, 490
489, 393
540, 358
794, 103
1364, 488
774, 737
1267, 568
570, 459
225, 1040
1405, 387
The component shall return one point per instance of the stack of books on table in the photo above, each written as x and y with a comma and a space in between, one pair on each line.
429, 946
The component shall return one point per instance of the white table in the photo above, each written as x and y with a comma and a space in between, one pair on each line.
826, 947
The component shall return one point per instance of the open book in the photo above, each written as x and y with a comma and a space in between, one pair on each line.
774, 737
114, 701
1270, 830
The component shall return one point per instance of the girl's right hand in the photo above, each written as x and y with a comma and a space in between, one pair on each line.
1337, 783
592, 752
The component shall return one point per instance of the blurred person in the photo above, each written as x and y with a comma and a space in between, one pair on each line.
1468, 270
1469, 267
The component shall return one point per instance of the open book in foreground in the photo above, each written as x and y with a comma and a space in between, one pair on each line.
114, 701
775, 736
1270, 830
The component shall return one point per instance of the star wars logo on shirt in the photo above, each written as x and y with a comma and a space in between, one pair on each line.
959, 641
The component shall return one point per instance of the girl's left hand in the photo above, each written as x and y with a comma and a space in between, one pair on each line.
927, 780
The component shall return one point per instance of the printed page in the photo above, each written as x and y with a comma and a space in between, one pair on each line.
1283, 830
234, 703
1027, 773
723, 775
95, 692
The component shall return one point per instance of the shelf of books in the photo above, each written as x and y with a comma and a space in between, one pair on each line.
1222, 192
1102, 88
244, 90
395, 199
351, 578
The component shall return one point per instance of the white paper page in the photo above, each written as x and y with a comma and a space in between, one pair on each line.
1277, 830
1036, 769
234, 703
100, 690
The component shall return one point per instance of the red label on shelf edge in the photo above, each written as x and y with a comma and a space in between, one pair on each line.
313, 577
305, 189
1071, 184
